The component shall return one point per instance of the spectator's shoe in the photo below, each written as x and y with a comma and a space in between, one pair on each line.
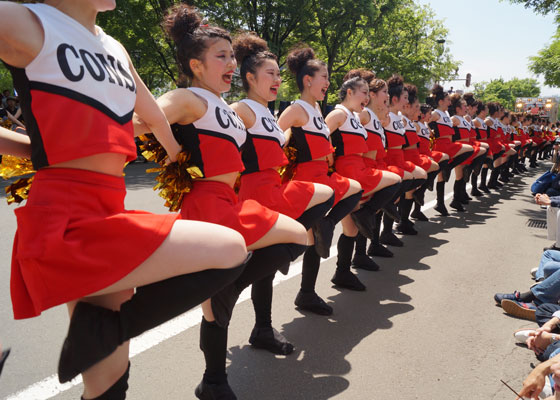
521, 335
378, 250
551, 247
3, 358
534, 273
310, 301
519, 309
214, 391
498, 297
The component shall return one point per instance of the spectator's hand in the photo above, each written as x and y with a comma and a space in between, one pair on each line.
538, 341
542, 199
533, 385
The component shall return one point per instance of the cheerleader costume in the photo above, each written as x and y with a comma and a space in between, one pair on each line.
396, 140
424, 143
411, 150
444, 133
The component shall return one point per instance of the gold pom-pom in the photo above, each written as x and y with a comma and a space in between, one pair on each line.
174, 179
287, 171
11, 167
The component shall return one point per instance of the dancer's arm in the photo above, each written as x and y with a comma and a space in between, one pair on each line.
18, 47
14, 144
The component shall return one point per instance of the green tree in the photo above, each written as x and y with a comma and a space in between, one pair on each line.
540, 6
506, 92
547, 62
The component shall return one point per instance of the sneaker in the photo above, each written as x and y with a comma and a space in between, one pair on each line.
534, 273
310, 301
378, 250
347, 280
547, 389
214, 391
521, 335
270, 339
390, 239
519, 309
498, 297
362, 261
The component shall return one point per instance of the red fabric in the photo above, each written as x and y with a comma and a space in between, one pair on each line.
317, 171
75, 238
382, 165
63, 141
354, 167
269, 153
374, 142
445, 145
476, 148
266, 187
396, 157
421, 160
219, 156
216, 202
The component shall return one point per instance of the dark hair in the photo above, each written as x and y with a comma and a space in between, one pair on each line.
456, 100
363, 73
301, 61
250, 51
424, 108
506, 114
183, 24
480, 107
437, 94
469, 99
395, 85
352, 84
493, 107
412, 92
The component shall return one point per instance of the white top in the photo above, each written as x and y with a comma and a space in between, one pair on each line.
315, 122
352, 123
424, 131
374, 125
265, 123
444, 118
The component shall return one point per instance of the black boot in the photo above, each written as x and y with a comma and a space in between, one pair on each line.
117, 391
306, 298
387, 236
361, 260
474, 190
493, 181
375, 247
406, 226
456, 202
464, 198
440, 206
3, 358
343, 277
483, 176
418, 214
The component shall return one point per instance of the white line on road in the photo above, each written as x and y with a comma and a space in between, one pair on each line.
50, 386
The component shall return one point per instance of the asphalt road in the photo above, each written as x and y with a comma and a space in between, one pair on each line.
426, 328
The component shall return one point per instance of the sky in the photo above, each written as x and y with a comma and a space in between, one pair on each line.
494, 38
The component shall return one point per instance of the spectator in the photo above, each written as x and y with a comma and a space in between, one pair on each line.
5, 95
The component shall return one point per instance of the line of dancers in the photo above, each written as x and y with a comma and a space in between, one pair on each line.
367, 165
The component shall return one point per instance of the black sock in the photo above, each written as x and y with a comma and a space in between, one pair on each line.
117, 391
382, 197
310, 269
213, 343
457, 189
313, 214
405, 208
344, 207
483, 175
387, 223
377, 228
459, 159
361, 244
416, 183
440, 190
345, 248
261, 296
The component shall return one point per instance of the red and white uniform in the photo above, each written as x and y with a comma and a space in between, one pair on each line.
214, 143
396, 140
411, 151
262, 154
444, 132
465, 132
312, 143
350, 143
74, 236
494, 141
424, 144
377, 142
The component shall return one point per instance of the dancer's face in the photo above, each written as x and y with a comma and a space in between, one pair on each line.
215, 70
318, 84
266, 81
358, 98
401, 102
380, 98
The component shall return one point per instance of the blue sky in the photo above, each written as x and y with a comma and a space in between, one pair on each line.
493, 38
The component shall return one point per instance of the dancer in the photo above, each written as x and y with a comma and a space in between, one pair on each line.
212, 133
88, 251
349, 138
310, 136
263, 156
441, 125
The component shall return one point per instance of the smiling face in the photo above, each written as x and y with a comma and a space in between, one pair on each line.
215, 71
357, 99
264, 84
400, 103
318, 84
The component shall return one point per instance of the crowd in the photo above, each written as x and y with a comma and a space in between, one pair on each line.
367, 164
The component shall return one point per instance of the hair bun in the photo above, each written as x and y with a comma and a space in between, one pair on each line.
298, 57
395, 80
247, 44
437, 89
363, 73
180, 21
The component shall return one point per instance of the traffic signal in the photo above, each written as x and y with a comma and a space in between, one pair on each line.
468, 80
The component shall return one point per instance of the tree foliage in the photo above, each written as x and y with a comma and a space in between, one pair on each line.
506, 92
540, 6
547, 62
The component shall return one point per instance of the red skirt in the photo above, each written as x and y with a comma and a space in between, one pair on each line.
266, 187
382, 165
396, 157
353, 166
216, 202
476, 148
75, 238
445, 145
317, 171
414, 156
